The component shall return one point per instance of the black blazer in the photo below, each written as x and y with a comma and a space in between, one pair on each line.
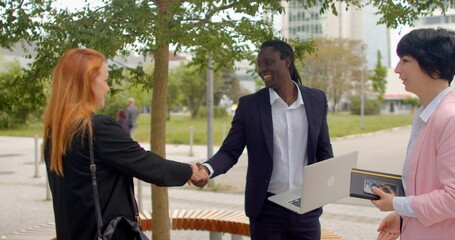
252, 127
118, 159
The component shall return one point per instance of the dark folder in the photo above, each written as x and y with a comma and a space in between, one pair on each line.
363, 180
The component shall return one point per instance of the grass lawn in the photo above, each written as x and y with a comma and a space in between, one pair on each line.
343, 125
178, 127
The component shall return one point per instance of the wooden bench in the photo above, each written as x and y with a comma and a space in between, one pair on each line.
214, 220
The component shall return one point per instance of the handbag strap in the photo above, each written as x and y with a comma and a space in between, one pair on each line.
99, 219
135, 208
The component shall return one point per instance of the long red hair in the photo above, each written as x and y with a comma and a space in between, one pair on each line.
71, 102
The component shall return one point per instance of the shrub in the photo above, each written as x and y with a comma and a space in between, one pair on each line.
113, 104
372, 106
218, 112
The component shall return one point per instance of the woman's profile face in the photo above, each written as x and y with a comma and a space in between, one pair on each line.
414, 79
100, 87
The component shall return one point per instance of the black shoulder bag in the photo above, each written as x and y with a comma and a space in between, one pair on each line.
132, 228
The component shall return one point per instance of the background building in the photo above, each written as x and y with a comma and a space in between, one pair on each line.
395, 94
356, 24
438, 20
244, 72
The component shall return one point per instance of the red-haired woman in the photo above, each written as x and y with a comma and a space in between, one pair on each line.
79, 85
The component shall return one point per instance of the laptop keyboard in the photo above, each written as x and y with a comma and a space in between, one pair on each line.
297, 202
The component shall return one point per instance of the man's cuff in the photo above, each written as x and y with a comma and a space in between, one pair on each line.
208, 168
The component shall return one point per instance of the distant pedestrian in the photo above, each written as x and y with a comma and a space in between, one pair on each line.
132, 113
122, 119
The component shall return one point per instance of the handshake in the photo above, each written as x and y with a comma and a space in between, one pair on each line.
200, 176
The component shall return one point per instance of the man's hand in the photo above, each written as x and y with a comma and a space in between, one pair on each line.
200, 175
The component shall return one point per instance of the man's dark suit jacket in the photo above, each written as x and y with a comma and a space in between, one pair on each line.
252, 127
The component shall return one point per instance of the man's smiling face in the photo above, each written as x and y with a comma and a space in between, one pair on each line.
271, 68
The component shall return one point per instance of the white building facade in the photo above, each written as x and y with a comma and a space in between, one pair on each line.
395, 92
355, 24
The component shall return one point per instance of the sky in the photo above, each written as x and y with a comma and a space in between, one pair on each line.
72, 4
395, 36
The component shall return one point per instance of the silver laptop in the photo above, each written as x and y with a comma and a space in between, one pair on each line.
323, 182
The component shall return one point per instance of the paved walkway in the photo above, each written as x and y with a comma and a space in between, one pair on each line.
25, 201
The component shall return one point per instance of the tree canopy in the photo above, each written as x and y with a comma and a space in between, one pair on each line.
204, 28
228, 30
333, 68
378, 77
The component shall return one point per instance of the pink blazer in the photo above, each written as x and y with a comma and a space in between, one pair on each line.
431, 177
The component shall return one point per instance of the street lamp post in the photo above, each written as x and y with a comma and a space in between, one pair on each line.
362, 99
210, 111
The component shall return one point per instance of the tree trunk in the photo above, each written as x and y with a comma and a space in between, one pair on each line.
160, 202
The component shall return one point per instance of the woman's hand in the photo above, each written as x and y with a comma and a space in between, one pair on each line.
389, 229
385, 203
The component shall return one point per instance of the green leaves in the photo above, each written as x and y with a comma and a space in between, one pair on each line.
21, 96
18, 20
332, 67
395, 13
378, 78
227, 30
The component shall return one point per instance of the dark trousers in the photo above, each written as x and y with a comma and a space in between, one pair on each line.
278, 223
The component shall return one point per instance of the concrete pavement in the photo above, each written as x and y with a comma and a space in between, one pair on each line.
25, 200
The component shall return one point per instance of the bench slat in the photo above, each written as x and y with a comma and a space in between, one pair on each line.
234, 222
216, 220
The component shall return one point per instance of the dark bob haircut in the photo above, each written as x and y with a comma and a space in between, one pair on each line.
434, 50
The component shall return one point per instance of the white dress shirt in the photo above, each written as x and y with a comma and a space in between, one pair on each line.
290, 137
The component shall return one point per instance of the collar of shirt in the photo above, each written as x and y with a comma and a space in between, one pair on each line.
274, 96
426, 112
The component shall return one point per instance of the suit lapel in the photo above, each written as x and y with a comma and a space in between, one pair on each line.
309, 108
265, 113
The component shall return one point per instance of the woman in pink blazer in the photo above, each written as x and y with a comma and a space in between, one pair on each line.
426, 68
